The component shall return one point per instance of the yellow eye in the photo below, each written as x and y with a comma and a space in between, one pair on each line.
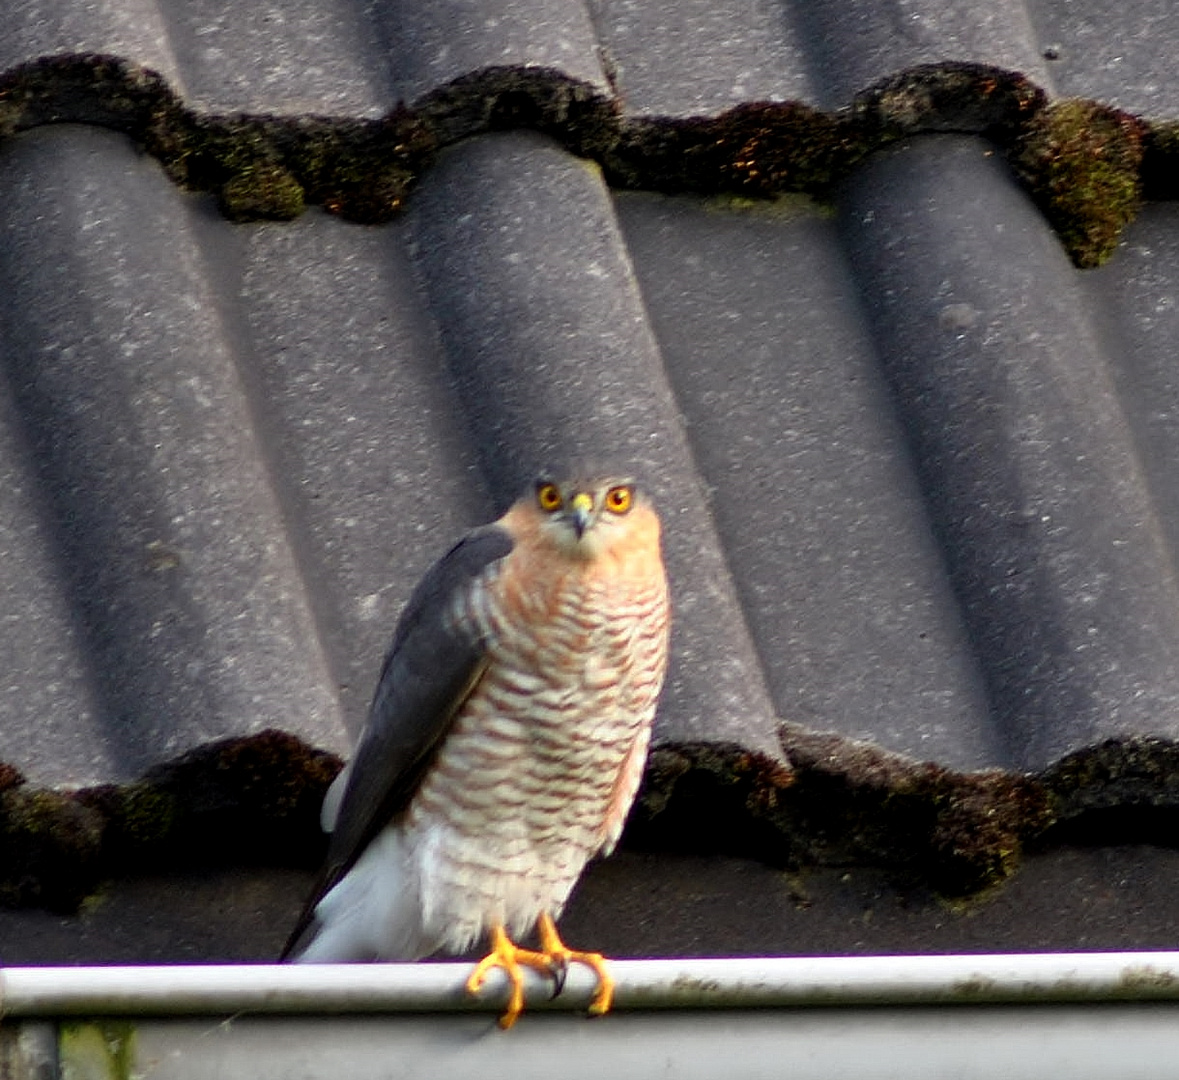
548, 497
619, 499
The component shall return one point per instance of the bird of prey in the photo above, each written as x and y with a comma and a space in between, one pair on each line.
505, 741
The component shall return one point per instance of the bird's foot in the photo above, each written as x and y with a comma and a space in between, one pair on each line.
560, 956
506, 954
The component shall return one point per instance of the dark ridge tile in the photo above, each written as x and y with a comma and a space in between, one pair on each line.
1026, 456
551, 352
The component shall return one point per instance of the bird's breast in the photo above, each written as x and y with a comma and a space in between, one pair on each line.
534, 757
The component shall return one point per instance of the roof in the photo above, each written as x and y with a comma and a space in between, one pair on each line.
295, 293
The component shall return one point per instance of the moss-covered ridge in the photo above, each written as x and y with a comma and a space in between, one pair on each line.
252, 800
846, 802
255, 801
1087, 165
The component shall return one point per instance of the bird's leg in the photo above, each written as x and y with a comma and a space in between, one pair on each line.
508, 955
560, 956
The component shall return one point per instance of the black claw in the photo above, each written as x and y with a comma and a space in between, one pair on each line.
558, 968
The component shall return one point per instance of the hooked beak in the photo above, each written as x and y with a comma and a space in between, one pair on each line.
581, 506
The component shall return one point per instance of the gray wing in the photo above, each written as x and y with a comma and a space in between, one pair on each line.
431, 667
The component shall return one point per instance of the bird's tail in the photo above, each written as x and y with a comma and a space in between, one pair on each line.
374, 912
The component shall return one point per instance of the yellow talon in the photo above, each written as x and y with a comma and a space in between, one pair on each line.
510, 957
552, 960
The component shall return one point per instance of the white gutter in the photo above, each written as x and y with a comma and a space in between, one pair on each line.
1087, 1016
642, 984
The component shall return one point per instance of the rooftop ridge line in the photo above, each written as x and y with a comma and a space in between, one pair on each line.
1087, 165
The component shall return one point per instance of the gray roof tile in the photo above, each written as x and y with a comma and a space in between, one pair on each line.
318, 56
136, 30
433, 44
915, 467
695, 58
812, 486
861, 42
167, 540
1122, 55
550, 346
1029, 465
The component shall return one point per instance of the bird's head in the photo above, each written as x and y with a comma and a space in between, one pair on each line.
586, 517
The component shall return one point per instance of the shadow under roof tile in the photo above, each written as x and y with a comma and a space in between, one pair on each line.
695, 58
550, 348
49, 728
792, 426
1135, 300
1028, 462
166, 531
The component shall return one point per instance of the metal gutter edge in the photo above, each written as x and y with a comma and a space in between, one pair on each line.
642, 984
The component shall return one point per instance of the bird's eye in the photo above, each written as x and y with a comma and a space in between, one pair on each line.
548, 497
619, 499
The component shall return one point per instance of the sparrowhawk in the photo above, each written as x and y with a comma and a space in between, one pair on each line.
505, 741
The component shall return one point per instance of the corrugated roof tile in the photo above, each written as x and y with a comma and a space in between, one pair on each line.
915, 466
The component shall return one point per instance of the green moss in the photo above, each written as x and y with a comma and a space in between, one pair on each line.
97, 1050
145, 815
952, 96
760, 150
362, 171
269, 168
712, 797
85, 88
1080, 159
1081, 162
263, 192
50, 848
254, 799
844, 802
540, 99
787, 207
